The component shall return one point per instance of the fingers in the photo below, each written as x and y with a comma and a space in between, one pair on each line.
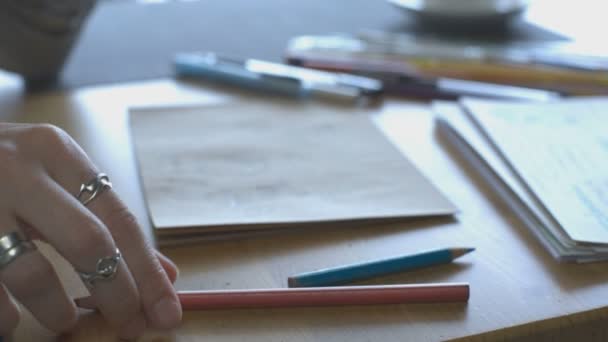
62, 221
168, 265
31, 279
141, 293
160, 303
150, 291
70, 168
33, 282
9, 313
82, 239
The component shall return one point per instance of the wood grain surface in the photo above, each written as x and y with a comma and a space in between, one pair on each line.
518, 292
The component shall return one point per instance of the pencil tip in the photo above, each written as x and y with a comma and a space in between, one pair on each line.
457, 252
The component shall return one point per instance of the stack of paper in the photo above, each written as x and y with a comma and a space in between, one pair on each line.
548, 161
245, 168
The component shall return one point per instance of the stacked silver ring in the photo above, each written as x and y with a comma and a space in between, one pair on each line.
12, 245
93, 188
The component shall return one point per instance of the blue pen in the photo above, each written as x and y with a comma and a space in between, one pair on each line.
209, 66
275, 78
350, 273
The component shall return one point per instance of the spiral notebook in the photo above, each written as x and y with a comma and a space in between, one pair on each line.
250, 168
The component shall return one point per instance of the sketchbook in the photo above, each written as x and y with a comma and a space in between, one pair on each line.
225, 170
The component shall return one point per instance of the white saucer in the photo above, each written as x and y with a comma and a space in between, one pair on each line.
470, 12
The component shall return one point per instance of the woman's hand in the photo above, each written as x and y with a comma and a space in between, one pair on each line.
41, 171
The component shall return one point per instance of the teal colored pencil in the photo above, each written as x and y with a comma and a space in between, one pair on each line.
350, 273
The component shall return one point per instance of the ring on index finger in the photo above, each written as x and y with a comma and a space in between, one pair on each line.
89, 191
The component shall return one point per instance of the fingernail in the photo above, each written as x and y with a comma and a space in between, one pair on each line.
174, 277
172, 265
134, 328
170, 261
167, 312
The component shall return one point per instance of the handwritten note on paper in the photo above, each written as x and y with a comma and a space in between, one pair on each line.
560, 150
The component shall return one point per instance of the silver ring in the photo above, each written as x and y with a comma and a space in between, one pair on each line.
93, 188
12, 245
105, 269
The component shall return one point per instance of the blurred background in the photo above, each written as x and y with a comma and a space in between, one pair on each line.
128, 40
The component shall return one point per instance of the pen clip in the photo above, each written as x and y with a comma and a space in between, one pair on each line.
343, 83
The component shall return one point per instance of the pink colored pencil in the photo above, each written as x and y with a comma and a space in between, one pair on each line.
324, 296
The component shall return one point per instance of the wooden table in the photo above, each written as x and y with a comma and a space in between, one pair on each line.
518, 292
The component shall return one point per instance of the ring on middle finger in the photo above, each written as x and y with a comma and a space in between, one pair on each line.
89, 191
